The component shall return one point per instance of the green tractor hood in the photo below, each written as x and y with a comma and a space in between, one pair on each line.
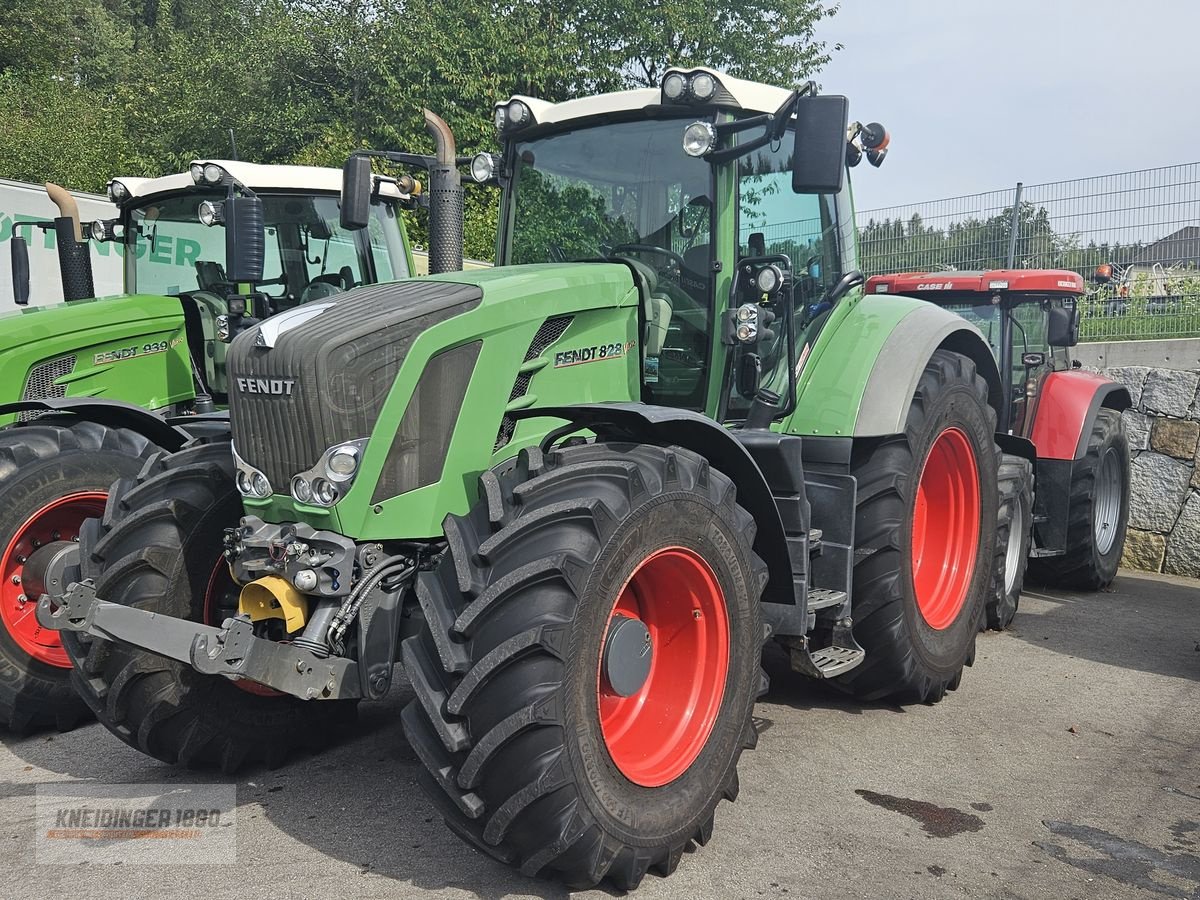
132, 348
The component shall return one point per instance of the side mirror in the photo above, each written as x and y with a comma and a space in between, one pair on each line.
20, 270
819, 153
356, 193
245, 238
1062, 328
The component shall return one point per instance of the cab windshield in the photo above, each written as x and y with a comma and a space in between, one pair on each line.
307, 256
627, 191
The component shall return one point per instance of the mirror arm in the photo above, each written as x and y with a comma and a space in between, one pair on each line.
775, 123
408, 159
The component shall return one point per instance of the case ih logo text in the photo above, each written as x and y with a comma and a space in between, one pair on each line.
279, 386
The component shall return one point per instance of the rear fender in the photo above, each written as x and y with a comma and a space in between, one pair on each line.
897, 370
664, 425
1067, 406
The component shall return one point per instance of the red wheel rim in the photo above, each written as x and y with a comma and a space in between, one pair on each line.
945, 528
656, 734
56, 521
222, 586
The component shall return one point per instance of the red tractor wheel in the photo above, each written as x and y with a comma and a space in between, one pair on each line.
52, 477
583, 705
924, 557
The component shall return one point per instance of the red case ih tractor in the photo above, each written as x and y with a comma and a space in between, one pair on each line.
1064, 480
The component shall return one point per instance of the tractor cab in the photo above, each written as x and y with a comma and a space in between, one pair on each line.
1028, 317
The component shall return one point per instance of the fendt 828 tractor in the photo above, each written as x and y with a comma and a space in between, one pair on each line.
1064, 487
161, 347
572, 495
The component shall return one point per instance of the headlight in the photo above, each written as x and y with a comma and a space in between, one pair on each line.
747, 332
768, 279
103, 230
673, 86
699, 139
302, 489
342, 462
501, 118
483, 167
327, 482
746, 318
213, 173
117, 192
704, 86
197, 171
249, 480
211, 213
324, 492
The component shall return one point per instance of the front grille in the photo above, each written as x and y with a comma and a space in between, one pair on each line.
326, 378
40, 385
551, 330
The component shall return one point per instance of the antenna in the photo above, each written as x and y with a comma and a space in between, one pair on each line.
232, 145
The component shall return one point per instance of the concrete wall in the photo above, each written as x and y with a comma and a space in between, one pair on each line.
1164, 437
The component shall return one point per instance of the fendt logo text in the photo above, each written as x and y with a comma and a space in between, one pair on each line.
279, 386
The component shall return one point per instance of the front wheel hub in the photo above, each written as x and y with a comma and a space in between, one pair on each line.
628, 652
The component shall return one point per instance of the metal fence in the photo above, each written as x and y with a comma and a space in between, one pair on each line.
1145, 225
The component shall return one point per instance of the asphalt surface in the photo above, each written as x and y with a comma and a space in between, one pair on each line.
1066, 766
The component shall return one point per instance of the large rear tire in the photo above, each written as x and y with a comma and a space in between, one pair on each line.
923, 558
52, 477
159, 548
1014, 530
1098, 514
538, 754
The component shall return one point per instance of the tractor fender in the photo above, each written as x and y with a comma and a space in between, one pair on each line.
893, 380
111, 413
665, 425
1067, 406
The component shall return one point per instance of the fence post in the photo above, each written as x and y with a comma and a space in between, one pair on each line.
1015, 230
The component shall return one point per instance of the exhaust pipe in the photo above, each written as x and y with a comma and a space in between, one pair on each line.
445, 201
74, 257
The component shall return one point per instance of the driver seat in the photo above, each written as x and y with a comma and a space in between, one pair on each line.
656, 308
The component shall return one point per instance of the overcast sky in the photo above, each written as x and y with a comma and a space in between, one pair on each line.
980, 94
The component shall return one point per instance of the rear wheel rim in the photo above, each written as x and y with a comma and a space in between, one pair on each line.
58, 520
1107, 503
654, 735
1016, 538
945, 529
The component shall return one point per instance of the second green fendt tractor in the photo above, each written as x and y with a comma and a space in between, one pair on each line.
572, 495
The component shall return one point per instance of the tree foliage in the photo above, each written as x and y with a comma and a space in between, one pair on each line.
94, 88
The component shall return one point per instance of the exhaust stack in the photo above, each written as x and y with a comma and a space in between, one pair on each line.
445, 201
74, 258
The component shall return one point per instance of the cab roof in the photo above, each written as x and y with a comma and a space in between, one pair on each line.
256, 177
732, 93
1012, 281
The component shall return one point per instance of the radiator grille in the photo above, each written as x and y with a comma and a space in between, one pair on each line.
551, 330
40, 385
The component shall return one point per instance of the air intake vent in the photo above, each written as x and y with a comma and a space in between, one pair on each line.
547, 335
40, 385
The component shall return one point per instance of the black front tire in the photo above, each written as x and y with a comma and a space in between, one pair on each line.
506, 717
1099, 501
40, 464
1014, 532
157, 548
908, 660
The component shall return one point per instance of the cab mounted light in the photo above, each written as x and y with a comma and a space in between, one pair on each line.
117, 192
484, 167
103, 230
690, 87
768, 279
699, 139
207, 173
869, 140
211, 212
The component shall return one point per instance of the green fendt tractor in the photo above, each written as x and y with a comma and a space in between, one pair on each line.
160, 349
573, 495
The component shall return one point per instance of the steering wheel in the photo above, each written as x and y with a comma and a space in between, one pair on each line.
649, 248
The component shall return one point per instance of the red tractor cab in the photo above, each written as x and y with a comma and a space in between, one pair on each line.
1065, 474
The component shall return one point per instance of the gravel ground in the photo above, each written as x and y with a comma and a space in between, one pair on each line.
1067, 765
